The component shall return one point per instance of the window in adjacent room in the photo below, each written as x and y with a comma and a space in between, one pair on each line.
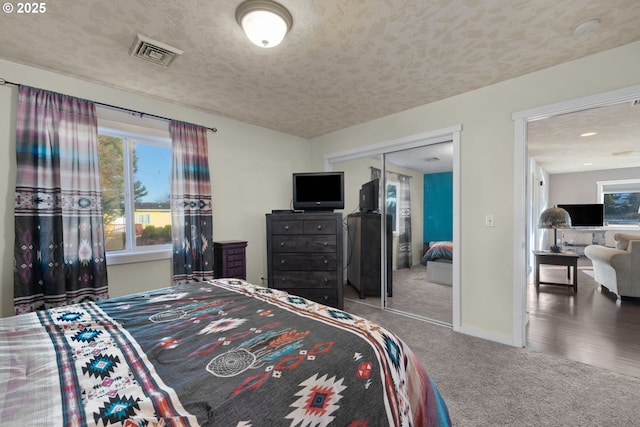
621, 200
135, 173
392, 204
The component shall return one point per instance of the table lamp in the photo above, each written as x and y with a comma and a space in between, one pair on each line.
554, 218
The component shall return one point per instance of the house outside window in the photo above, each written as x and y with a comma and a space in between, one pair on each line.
621, 199
135, 173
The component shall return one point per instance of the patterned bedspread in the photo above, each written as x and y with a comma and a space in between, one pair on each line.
219, 353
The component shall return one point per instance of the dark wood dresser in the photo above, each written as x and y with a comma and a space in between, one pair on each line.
229, 259
364, 247
304, 255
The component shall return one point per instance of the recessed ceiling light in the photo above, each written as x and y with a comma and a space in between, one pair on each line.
588, 164
586, 27
588, 133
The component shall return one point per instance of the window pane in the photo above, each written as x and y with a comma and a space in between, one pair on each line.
112, 181
152, 193
622, 208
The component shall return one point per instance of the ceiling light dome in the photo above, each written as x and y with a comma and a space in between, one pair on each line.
264, 22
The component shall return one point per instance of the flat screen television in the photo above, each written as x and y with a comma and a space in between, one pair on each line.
586, 214
369, 196
318, 191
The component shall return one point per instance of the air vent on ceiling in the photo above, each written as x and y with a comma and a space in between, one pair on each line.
154, 51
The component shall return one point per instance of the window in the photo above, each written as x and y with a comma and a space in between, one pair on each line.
621, 200
135, 174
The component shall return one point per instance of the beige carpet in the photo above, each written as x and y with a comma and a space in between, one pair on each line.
489, 384
413, 293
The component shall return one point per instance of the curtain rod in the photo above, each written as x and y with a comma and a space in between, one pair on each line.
128, 110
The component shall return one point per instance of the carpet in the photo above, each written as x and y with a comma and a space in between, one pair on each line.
489, 384
414, 294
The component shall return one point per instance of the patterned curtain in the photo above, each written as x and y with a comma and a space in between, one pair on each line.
59, 256
405, 256
192, 222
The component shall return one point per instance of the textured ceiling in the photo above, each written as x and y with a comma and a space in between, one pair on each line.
343, 63
558, 147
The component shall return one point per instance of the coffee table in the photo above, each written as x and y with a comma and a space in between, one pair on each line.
552, 258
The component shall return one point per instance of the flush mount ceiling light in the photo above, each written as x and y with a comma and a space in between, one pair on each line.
264, 22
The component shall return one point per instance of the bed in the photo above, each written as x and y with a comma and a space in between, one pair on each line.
438, 258
217, 353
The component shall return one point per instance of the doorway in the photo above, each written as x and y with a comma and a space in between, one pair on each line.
527, 237
382, 156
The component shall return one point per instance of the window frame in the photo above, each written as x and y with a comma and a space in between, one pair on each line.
136, 132
631, 185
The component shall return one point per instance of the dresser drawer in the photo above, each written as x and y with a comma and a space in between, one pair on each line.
323, 296
302, 243
237, 272
233, 251
320, 227
304, 261
234, 258
287, 227
304, 279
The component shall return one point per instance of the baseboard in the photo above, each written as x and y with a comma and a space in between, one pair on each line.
502, 339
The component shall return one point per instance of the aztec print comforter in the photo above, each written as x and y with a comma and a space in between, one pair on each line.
219, 353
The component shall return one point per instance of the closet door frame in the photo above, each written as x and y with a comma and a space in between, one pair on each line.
449, 134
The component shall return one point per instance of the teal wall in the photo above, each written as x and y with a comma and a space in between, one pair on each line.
438, 206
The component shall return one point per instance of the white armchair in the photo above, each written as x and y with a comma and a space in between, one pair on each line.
618, 269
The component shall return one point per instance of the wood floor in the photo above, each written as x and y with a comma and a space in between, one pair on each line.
591, 326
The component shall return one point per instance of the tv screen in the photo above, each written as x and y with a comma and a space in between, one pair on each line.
585, 215
369, 196
313, 191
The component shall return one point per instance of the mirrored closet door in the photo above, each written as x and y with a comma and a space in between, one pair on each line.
385, 259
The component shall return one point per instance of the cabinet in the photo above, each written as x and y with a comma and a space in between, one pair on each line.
304, 255
229, 259
364, 249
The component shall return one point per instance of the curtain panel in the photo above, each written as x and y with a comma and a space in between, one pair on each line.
405, 253
59, 252
191, 205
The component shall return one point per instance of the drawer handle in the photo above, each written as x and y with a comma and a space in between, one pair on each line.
281, 244
326, 297
326, 280
325, 261
283, 280
324, 243
286, 227
282, 261
319, 227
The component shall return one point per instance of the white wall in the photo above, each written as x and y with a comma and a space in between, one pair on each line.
250, 166
487, 167
581, 187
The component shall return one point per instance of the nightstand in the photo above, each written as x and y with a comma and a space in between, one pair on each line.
229, 259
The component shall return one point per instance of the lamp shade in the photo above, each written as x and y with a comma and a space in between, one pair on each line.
264, 22
554, 218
